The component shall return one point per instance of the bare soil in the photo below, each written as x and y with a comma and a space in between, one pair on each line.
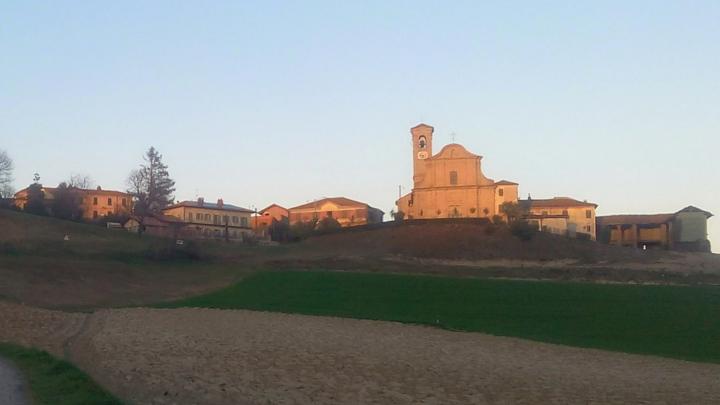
152, 356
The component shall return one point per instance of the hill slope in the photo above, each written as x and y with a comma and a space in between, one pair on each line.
468, 240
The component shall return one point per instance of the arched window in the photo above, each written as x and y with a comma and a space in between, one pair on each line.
422, 142
453, 177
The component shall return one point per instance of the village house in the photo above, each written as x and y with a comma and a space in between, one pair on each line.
451, 183
94, 203
165, 226
212, 220
346, 211
562, 216
684, 230
262, 221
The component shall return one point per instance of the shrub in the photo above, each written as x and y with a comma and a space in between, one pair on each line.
582, 236
279, 230
498, 220
170, 251
301, 230
490, 229
523, 230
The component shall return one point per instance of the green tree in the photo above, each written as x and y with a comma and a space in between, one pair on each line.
513, 211
35, 200
397, 216
151, 187
328, 224
302, 229
279, 230
66, 202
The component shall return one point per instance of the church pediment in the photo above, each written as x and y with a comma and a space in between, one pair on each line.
328, 206
454, 151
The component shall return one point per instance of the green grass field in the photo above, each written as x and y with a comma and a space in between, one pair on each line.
55, 382
671, 321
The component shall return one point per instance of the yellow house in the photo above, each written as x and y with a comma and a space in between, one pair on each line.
451, 183
346, 211
212, 220
562, 215
94, 203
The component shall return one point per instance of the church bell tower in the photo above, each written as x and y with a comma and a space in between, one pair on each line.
422, 149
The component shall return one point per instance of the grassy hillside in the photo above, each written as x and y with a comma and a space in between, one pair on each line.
53, 381
103, 267
468, 240
24, 234
672, 321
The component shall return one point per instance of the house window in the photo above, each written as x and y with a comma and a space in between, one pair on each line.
226, 219
216, 219
189, 216
123, 202
109, 201
198, 217
95, 214
243, 222
544, 212
207, 217
588, 213
329, 214
235, 220
422, 142
565, 212
500, 192
453, 177
94, 200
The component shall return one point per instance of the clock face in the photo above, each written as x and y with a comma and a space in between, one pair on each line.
422, 155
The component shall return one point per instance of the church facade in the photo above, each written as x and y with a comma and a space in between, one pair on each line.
451, 184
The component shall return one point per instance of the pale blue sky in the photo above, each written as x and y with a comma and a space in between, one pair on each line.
615, 102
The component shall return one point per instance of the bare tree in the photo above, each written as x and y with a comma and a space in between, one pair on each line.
6, 169
81, 181
137, 186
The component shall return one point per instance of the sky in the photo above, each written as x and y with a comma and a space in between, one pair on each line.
613, 102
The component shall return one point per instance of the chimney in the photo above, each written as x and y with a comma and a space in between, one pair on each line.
201, 201
220, 203
98, 188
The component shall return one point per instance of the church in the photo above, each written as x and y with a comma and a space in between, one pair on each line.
451, 183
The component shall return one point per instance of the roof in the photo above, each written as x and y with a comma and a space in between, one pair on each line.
556, 202
691, 208
159, 220
650, 219
208, 205
421, 125
270, 206
82, 190
339, 201
646, 219
505, 183
454, 151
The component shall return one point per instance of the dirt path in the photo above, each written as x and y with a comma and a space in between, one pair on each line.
12, 391
153, 356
